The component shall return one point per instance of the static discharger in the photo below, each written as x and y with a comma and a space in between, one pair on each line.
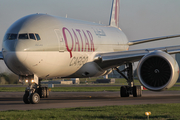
148, 114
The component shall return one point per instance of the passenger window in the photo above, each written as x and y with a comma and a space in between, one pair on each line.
11, 36
23, 36
31, 36
37, 36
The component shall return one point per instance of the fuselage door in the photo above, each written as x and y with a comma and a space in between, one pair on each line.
60, 40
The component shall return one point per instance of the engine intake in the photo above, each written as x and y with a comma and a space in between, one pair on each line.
158, 71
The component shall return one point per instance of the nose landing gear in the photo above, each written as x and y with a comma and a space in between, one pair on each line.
34, 91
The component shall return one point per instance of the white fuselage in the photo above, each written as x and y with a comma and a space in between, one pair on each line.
66, 48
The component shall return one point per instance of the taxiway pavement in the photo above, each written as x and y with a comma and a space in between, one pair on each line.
13, 100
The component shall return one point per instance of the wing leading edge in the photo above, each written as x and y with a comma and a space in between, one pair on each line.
113, 59
152, 39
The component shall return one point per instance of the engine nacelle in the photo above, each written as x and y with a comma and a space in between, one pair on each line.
158, 71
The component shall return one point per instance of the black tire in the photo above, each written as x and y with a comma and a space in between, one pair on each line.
127, 93
25, 97
43, 92
47, 92
124, 91
137, 92
34, 98
140, 91
39, 91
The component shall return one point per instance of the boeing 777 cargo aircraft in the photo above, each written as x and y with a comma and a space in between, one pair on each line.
42, 46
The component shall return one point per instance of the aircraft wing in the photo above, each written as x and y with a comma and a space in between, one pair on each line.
114, 59
152, 39
1, 55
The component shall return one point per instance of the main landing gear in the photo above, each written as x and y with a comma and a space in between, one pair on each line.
34, 91
130, 89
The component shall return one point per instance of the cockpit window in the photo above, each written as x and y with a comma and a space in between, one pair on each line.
38, 37
23, 36
11, 36
31, 36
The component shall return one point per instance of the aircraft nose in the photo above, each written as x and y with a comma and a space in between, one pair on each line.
8, 45
15, 47
15, 56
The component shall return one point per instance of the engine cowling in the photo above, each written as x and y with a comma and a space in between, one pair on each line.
158, 71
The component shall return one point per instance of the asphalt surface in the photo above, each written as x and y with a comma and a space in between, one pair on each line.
58, 85
13, 100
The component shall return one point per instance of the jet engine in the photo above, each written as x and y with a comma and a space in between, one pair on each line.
158, 71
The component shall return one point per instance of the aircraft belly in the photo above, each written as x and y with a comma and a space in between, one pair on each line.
89, 69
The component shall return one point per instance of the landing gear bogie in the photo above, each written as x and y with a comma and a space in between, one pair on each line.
131, 89
125, 91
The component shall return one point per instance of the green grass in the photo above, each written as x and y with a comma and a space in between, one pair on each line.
128, 112
92, 80
65, 89
175, 88
96, 89
120, 81
85, 89
12, 89
76, 89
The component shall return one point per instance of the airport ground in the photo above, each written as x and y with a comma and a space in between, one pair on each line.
83, 105
13, 100
92, 102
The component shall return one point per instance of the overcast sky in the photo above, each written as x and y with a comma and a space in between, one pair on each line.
138, 18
